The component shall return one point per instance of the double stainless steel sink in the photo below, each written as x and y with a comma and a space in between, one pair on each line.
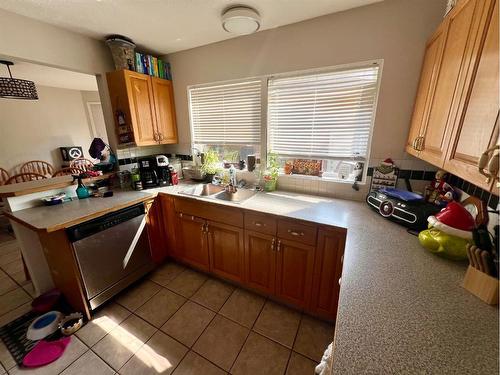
218, 192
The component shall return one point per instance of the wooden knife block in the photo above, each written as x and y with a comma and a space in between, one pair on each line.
481, 285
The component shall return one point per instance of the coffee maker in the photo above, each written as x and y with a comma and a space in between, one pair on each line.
147, 170
163, 170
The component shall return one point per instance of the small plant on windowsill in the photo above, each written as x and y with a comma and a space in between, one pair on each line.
270, 176
211, 165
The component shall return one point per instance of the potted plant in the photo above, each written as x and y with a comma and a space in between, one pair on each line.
270, 176
211, 165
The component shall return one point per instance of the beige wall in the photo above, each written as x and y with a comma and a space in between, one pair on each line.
393, 30
35, 129
26, 39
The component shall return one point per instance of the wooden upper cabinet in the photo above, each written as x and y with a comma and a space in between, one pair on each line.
260, 261
295, 262
147, 104
192, 241
226, 249
165, 110
327, 272
476, 128
430, 68
141, 103
437, 128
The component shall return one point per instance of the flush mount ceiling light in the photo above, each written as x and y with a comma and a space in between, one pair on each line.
13, 88
240, 20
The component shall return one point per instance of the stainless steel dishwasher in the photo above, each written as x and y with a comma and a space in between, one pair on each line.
112, 252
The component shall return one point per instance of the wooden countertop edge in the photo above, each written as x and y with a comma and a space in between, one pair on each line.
82, 219
56, 185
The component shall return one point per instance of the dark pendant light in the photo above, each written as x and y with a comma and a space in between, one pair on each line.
13, 88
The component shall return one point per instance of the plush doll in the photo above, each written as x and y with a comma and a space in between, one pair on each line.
449, 232
439, 192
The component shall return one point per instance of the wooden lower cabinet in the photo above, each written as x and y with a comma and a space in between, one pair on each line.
192, 241
226, 249
260, 261
169, 226
327, 272
295, 262
154, 221
303, 272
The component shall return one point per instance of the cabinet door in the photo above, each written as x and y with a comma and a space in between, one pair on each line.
141, 102
294, 272
430, 67
477, 127
154, 220
164, 110
260, 261
225, 244
437, 131
169, 226
192, 241
327, 272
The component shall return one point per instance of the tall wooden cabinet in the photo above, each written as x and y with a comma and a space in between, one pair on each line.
477, 120
457, 102
143, 107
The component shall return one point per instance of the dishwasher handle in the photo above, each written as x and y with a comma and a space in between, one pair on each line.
88, 228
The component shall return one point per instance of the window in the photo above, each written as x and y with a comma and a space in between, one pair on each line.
327, 117
319, 123
227, 118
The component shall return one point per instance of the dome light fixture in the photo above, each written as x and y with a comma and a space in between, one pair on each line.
240, 20
14, 88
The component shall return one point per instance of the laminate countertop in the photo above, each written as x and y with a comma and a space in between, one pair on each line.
402, 310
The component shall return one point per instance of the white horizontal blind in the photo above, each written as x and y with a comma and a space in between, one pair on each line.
226, 114
325, 116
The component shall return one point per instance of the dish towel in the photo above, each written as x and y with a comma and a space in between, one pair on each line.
325, 366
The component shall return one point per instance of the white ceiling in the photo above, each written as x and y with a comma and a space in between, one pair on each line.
165, 26
52, 77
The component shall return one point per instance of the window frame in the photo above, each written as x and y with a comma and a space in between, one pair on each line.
264, 141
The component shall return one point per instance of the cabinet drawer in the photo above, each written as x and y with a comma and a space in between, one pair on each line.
260, 223
297, 231
215, 212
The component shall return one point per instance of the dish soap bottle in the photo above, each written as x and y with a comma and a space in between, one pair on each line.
81, 191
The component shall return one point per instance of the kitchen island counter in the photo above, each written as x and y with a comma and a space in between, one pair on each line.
53, 218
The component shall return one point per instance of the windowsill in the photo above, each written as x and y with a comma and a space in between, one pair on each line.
317, 178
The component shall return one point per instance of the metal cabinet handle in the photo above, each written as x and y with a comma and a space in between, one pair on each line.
279, 246
294, 233
490, 163
414, 144
258, 224
180, 214
155, 137
272, 244
420, 143
160, 137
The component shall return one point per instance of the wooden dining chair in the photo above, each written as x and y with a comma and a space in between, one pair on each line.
82, 163
68, 171
4, 176
25, 177
38, 166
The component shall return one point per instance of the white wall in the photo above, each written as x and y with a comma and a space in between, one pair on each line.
35, 129
23, 38
393, 30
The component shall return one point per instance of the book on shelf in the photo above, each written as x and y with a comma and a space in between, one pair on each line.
152, 66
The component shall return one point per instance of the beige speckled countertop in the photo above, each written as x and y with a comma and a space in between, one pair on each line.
52, 218
402, 310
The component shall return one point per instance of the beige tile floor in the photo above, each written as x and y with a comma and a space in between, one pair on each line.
178, 321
